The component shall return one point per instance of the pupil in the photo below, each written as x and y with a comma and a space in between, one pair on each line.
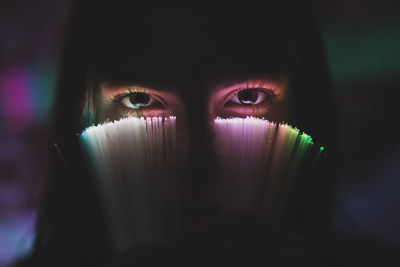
139, 98
248, 96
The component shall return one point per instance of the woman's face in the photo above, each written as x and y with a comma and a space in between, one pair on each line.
214, 61
263, 96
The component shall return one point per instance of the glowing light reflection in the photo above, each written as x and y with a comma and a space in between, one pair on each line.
17, 100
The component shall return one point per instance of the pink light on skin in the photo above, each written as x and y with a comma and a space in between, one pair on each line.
272, 90
16, 98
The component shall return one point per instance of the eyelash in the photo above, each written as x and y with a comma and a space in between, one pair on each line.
270, 94
117, 99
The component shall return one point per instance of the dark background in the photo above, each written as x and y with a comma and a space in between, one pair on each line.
362, 41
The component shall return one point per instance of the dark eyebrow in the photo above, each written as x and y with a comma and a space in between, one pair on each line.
232, 81
149, 85
212, 85
229, 83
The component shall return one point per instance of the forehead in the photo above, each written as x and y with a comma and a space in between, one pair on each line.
185, 45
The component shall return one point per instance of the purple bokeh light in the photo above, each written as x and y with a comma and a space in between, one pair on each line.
17, 100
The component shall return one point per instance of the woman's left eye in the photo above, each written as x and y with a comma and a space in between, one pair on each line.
251, 96
137, 100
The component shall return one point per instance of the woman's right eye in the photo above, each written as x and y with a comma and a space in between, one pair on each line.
137, 100
121, 101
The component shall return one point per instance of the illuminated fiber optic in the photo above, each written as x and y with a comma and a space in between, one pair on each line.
259, 164
134, 159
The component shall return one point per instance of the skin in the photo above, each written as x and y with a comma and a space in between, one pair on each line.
197, 87
224, 100
249, 238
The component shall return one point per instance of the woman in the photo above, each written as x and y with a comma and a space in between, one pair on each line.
119, 58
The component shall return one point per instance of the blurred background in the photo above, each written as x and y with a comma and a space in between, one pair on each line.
362, 41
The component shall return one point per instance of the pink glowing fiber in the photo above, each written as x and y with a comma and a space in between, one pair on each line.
259, 161
135, 158
135, 163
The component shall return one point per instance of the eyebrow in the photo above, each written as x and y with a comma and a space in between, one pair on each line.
212, 86
239, 80
116, 86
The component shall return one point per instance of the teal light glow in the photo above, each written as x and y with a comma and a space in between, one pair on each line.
42, 85
363, 54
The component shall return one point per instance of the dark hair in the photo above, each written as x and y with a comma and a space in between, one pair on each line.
168, 42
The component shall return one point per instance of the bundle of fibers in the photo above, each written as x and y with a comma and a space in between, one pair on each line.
134, 161
260, 163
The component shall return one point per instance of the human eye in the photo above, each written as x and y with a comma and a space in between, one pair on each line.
251, 96
127, 101
116, 101
138, 100
255, 99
